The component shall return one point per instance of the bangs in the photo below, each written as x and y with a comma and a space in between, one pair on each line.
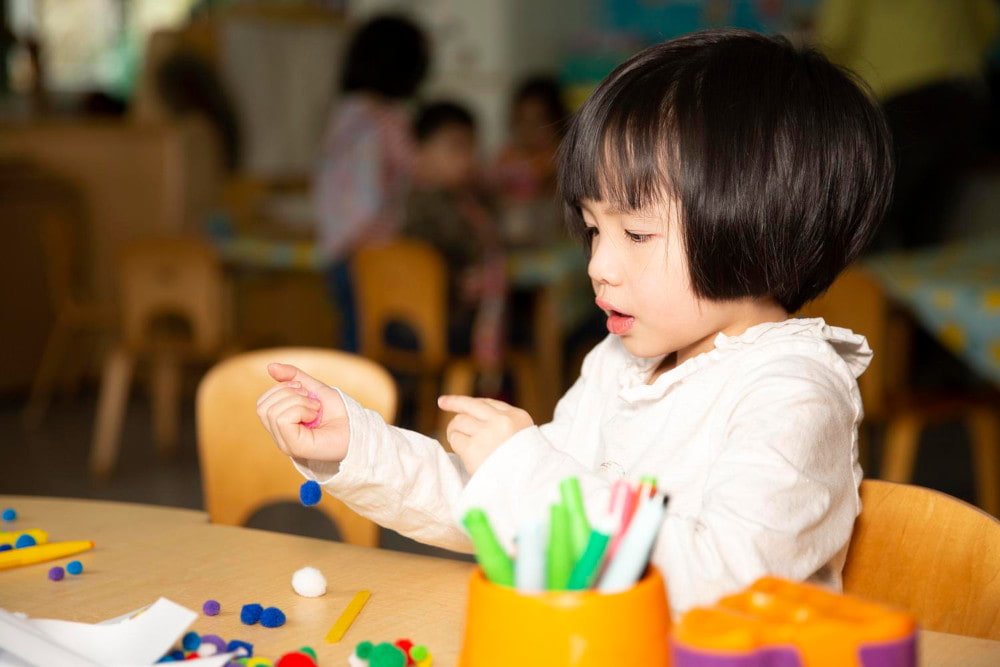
621, 147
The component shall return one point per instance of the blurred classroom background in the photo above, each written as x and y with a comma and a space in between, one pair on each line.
183, 181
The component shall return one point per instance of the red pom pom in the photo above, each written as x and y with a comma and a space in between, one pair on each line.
295, 659
406, 645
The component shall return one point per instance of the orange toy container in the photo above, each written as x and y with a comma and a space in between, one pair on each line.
566, 628
781, 623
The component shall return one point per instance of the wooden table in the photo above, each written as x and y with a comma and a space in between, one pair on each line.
144, 552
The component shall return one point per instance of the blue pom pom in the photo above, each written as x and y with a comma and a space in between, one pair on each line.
9, 514
310, 493
25, 541
5, 546
191, 641
250, 613
272, 617
74, 567
211, 608
236, 646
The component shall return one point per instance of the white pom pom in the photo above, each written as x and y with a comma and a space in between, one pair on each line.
309, 582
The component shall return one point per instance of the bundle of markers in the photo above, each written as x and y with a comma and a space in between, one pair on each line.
608, 555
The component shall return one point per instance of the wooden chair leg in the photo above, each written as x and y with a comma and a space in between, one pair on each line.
902, 437
115, 380
165, 385
984, 433
45, 378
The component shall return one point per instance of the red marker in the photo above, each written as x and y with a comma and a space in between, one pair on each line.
623, 503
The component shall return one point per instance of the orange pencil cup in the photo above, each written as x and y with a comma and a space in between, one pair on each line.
504, 627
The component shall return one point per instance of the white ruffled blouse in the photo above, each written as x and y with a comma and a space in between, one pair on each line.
755, 441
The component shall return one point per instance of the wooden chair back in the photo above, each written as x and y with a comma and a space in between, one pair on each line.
404, 281
242, 469
172, 276
928, 553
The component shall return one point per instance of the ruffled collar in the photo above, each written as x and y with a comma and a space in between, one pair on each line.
851, 347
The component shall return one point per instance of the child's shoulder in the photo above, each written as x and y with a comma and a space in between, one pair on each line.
795, 346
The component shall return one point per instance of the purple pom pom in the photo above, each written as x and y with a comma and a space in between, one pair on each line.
272, 617
310, 493
211, 608
57, 573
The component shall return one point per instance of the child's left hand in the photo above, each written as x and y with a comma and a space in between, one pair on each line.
480, 426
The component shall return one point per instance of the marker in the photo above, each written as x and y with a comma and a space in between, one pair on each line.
647, 487
560, 555
41, 537
633, 554
42, 553
529, 567
589, 566
343, 622
494, 561
623, 503
579, 528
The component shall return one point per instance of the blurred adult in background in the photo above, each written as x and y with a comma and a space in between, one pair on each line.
366, 158
925, 60
525, 170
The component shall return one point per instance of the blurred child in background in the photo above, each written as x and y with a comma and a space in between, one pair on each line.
525, 170
446, 208
366, 161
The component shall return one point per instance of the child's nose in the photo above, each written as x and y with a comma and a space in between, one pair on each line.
603, 267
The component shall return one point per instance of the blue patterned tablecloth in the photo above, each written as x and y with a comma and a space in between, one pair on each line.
954, 291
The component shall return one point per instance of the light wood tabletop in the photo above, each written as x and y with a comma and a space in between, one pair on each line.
144, 552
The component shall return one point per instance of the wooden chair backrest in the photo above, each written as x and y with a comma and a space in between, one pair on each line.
172, 276
856, 301
242, 469
404, 281
930, 554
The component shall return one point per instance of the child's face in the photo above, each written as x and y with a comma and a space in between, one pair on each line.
447, 158
640, 275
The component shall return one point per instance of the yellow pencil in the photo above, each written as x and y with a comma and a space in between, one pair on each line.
344, 622
10, 536
42, 553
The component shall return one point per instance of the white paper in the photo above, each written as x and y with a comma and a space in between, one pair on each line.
132, 642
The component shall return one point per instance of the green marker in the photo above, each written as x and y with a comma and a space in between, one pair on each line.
589, 566
560, 554
579, 528
495, 562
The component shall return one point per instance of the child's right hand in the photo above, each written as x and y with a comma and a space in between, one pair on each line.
287, 408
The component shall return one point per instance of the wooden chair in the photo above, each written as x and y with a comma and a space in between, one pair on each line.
405, 281
242, 469
928, 553
159, 278
857, 301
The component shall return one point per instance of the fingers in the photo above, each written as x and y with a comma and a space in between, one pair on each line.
283, 408
463, 423
277, 388
479, 408
289, 373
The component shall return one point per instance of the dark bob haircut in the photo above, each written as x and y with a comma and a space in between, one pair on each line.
436, 115
546, 90
780, 161
387, 55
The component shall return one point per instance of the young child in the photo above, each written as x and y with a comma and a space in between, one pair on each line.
723, 179
445, 207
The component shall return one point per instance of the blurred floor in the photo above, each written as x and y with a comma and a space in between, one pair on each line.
52, 461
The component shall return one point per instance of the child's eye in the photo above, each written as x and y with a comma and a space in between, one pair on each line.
638, 238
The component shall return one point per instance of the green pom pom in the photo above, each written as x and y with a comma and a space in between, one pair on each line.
419, 652
308, 650
387, 655
363, 650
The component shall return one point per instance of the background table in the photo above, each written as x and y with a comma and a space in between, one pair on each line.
954, 292
144, 552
